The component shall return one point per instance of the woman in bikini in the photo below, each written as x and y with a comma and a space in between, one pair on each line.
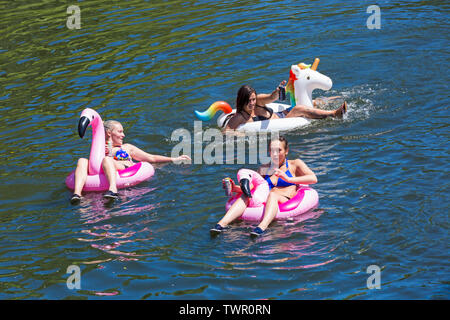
282, 175
252, 107
118, 157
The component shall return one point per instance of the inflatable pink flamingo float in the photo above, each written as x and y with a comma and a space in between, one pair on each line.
304, 201
96, 179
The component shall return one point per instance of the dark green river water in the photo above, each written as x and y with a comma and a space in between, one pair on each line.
382, 170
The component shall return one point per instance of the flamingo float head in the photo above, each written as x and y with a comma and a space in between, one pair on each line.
90, 117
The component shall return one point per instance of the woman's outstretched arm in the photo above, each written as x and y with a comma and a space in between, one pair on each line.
140, 155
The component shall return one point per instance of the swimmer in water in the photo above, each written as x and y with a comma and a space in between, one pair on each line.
118, 156
282, 175
251, 106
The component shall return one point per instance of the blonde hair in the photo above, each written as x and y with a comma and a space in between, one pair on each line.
109, 125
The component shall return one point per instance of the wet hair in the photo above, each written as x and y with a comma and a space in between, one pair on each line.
243, 97
109, 125
281, 139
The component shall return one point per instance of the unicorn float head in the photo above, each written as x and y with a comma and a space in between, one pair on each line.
303, 79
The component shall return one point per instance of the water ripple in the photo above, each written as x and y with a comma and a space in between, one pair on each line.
382, 170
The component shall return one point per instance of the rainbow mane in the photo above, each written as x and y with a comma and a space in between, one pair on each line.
290, 86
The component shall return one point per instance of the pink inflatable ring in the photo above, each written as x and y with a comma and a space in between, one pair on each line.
96, 179
305, 199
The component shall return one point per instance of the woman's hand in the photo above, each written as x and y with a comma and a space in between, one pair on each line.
108, 152
234, 187
108, 148
279, 173
276, 92
182, 159
224, 183
282, 84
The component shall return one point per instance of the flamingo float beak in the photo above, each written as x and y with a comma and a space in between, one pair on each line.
82, 126
245, 186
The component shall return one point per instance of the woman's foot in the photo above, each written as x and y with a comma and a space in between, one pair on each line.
111, 195
75, 199
257, 232
217, 229
341, 111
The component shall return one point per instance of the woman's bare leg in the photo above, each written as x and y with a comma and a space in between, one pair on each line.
81, 173
314, 113
235, 211
271, 209
110, 171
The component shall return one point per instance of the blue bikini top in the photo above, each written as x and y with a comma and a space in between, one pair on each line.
280, 182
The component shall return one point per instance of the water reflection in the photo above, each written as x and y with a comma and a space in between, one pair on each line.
107, 234
288, 245
150, 64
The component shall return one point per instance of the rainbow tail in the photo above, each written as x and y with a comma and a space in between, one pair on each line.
216, 106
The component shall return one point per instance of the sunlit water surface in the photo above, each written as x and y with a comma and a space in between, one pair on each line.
382, 170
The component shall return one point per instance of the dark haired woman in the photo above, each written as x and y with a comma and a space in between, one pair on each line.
251, 106
282, 175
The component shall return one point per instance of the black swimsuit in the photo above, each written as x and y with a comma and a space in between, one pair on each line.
262, 118
256, 118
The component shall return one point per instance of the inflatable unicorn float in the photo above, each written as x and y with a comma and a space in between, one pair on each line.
303, 80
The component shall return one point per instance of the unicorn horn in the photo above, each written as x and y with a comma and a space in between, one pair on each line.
315, 64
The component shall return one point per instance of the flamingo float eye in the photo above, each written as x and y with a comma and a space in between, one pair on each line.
307, 78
